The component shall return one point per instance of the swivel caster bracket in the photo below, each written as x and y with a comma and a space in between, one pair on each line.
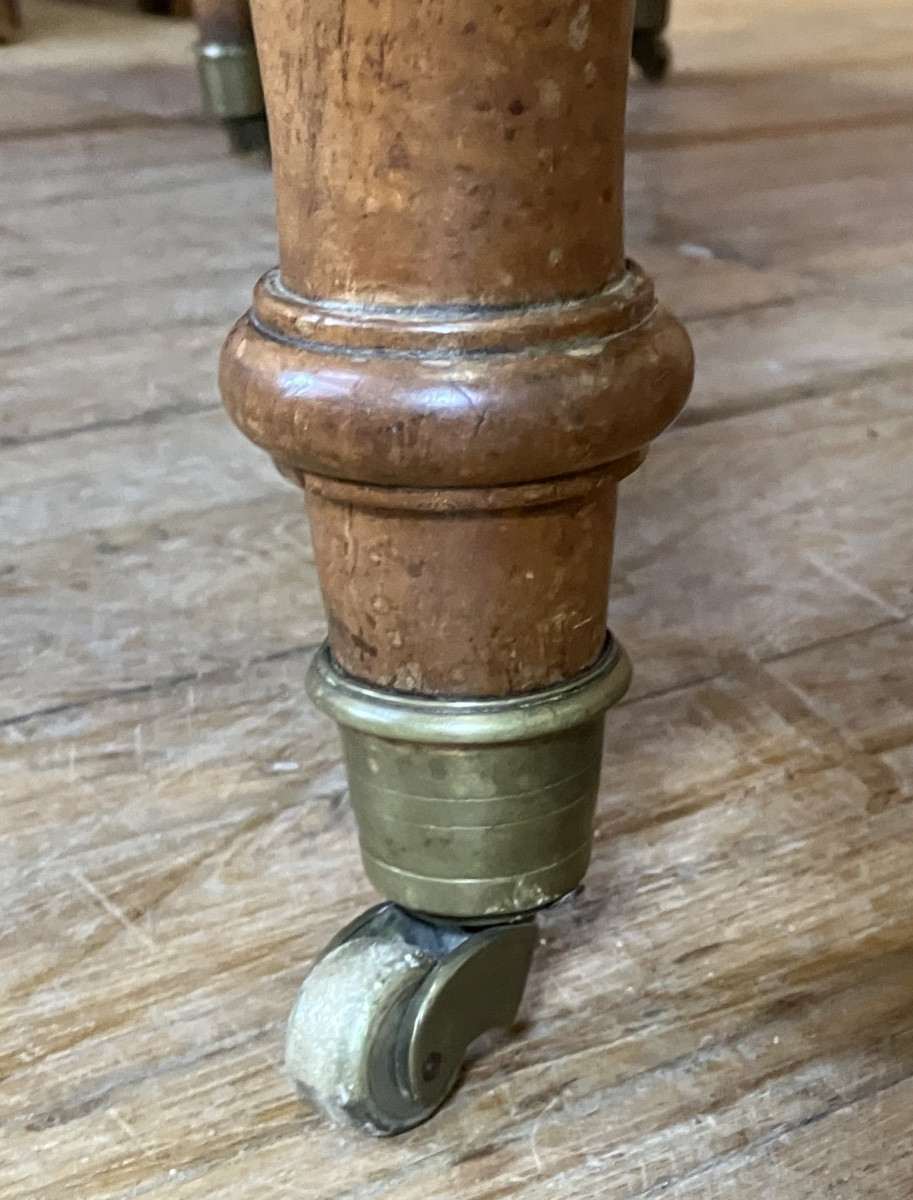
383, 1021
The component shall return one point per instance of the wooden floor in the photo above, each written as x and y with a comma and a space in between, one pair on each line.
727, 1013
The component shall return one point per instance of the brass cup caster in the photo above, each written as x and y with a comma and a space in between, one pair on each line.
473, 809
383, 1021
232, 93
478, 812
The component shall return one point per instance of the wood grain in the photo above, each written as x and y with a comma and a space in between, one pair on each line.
725, 1013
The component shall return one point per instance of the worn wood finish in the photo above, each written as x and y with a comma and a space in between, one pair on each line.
726, 1015
454, 358
443, 156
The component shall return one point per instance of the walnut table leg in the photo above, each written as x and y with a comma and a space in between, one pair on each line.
457, 363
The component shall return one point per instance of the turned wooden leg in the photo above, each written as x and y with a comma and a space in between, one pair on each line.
457, 364
229, 72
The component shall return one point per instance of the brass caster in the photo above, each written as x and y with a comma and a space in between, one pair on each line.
382, 1023
473, 808
230, 84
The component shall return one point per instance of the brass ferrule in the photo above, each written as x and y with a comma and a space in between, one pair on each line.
230, 79
473, 808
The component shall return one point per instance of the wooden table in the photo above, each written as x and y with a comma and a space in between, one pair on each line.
728, 1011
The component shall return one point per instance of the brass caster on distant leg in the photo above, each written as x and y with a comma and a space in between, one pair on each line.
383, 1021
232, 92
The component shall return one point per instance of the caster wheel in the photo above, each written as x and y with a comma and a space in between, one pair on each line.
652, 54
342, 1035
378, 1033
247, 135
